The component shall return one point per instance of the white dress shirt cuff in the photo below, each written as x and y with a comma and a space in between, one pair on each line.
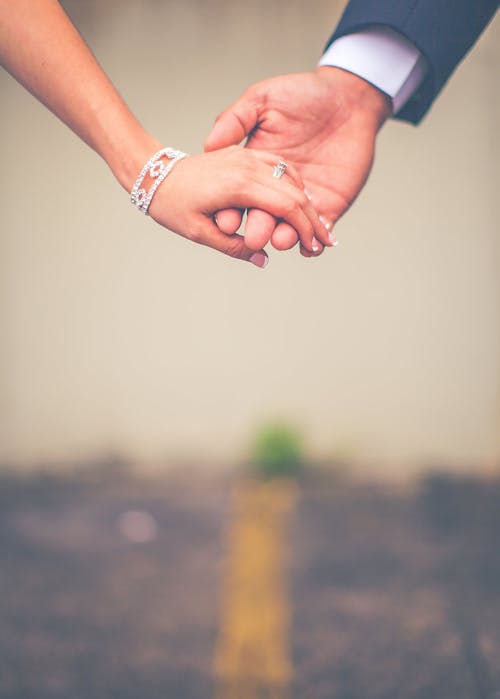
384, 58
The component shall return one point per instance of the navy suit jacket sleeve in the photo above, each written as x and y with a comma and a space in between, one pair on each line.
443, 30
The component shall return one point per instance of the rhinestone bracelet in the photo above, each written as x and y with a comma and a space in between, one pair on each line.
157, 168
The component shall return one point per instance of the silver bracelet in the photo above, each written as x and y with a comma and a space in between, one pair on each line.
157, 168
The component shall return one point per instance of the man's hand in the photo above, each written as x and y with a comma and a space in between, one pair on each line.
324, 124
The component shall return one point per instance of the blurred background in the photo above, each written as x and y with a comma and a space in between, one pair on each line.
217, 481
119, 337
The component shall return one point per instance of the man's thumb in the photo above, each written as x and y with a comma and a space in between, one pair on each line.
232, 126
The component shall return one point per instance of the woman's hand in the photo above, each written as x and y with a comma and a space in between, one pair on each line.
199, 186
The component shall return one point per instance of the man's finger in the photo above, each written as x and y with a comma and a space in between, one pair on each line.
259, 228
229, 220
284, 237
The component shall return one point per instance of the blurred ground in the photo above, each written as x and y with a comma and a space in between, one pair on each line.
111, 586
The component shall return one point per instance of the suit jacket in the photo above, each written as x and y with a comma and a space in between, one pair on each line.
443, 30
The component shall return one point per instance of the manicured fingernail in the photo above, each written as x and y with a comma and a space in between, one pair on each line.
315, 246
333, 240
259, 259
325, 222
308, 194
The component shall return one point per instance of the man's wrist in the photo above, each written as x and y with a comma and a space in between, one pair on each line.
358, 94
383, 57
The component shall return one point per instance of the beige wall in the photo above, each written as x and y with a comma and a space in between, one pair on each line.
117, 335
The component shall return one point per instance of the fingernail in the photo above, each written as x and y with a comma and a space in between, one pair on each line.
325, 222
308, 194
315, 246
333, 240
259, 259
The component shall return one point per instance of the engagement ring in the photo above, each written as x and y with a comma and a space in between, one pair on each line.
279, 169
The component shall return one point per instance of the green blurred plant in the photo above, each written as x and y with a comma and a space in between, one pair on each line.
278, 450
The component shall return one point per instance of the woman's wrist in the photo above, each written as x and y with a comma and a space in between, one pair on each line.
153, 173
127, 152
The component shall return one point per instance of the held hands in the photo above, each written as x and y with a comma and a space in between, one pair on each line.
323, 123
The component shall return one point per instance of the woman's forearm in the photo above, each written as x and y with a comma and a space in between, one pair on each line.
42, 49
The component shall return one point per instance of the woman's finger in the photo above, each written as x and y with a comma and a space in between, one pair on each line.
307, 253
285, 238
291, 177
207, 233
286, 203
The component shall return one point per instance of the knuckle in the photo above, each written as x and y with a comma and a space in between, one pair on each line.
252, 162
245, 166
244, 186
291, 207
302, 200
232, 247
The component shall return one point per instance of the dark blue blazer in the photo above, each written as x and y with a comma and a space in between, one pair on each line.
443, 30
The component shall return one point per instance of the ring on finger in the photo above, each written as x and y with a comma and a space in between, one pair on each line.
279, 169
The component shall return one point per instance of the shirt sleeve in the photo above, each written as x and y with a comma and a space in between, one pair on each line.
382, 57
443, 31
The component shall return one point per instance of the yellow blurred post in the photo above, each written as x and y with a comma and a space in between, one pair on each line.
252, 658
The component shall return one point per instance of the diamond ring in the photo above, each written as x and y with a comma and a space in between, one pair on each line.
279, 169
